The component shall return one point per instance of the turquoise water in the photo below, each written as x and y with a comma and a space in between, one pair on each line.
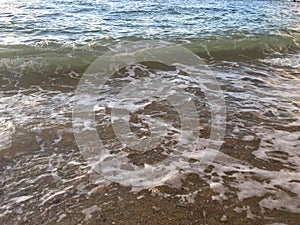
252, 48
221, 29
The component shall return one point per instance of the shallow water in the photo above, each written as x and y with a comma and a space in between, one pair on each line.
251, 47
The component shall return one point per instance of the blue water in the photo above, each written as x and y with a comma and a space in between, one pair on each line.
82, 21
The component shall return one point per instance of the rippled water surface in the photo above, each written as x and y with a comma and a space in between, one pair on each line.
250, 47
82, 21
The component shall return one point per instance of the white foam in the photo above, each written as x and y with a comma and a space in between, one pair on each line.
88, 212
293, 61
248, 138
21, 199
61, 217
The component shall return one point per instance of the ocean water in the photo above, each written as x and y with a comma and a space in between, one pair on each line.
51, 106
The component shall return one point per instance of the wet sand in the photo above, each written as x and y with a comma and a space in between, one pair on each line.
253, 180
